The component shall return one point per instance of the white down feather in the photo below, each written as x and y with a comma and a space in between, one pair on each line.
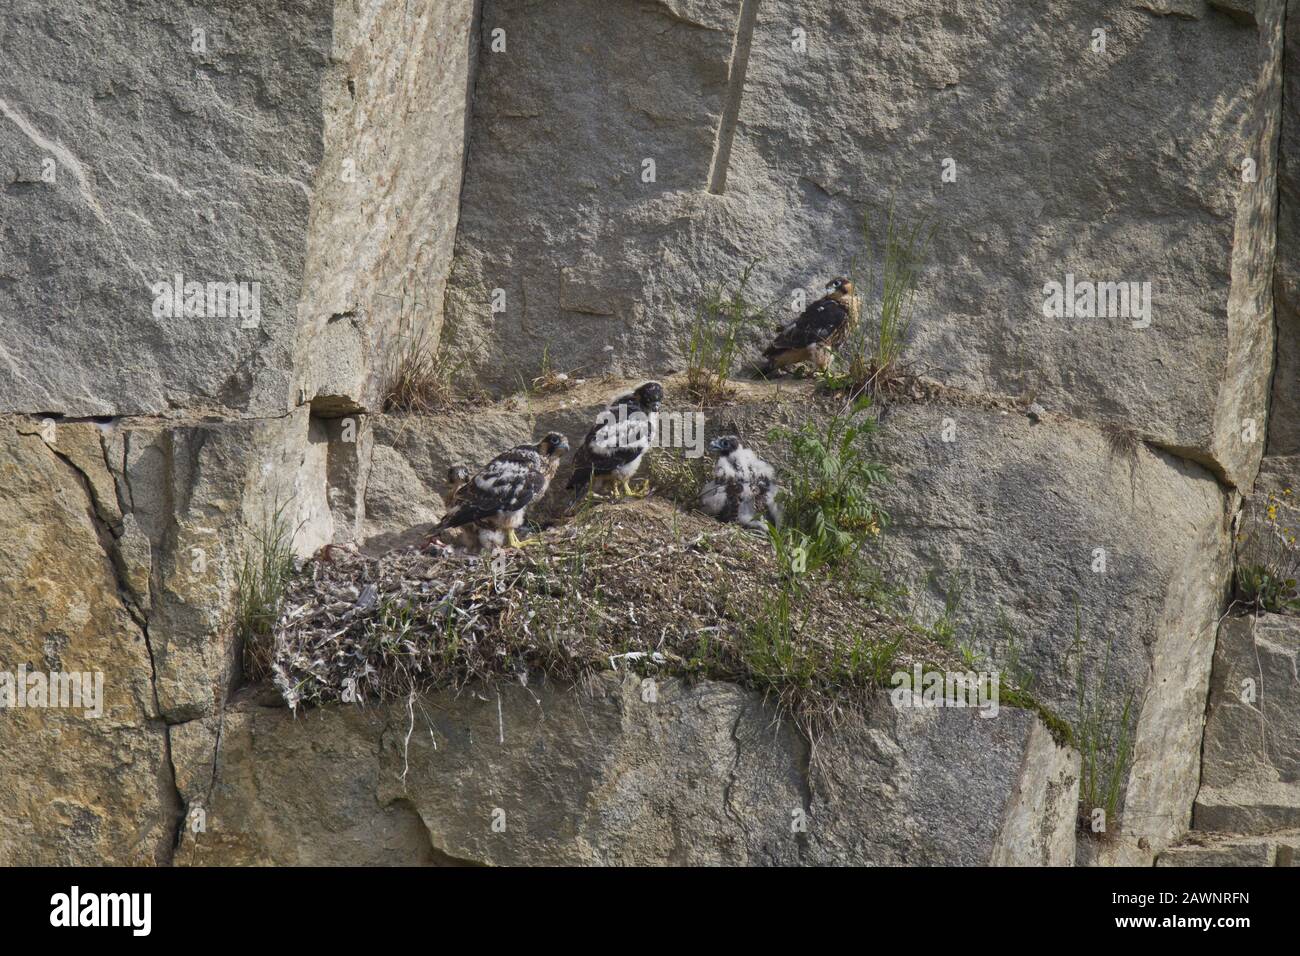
744, 477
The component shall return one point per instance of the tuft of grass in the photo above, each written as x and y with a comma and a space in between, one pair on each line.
714, 343
1268, 566
1122, 443
868, 582
875, 346
419, 375
1103, 732
676, 477
266, 567
819, 687
826, 494
943, 628
1103, 736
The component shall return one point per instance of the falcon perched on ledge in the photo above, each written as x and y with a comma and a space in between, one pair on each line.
613, 449
475, 537
743, 488
498, 496
823, 325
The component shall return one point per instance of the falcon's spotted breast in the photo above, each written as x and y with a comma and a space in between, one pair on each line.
612, 451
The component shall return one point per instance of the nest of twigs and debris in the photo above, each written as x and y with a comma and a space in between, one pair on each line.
638, 586
551, 381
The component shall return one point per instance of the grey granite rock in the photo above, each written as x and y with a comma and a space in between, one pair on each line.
1059, 550
1251, 777
699, 775
82, 786
1108, 166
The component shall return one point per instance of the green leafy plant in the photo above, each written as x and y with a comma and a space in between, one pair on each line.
1258, 588
714, 342
826, 494
1269, 561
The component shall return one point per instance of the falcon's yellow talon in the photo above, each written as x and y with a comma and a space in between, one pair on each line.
517, 542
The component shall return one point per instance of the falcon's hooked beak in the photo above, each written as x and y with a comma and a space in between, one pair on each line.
724, 444
554, 445
839, 288
457, 478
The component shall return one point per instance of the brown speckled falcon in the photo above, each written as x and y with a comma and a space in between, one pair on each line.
821, 327
499, 495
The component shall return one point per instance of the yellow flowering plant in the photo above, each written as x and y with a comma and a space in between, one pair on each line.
1268, 565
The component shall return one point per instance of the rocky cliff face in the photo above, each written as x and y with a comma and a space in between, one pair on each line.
698, 777
1110, 166
514, 180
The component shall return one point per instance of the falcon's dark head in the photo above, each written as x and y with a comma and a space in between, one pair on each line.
553, 445
649, 395
724, 445
839, 288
